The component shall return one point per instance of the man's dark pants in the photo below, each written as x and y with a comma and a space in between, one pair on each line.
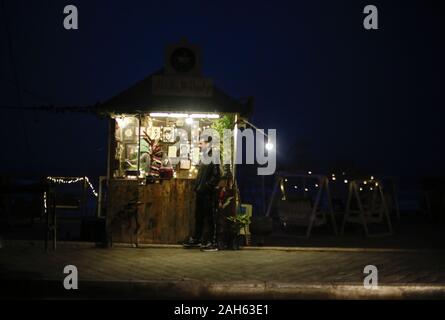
205, 227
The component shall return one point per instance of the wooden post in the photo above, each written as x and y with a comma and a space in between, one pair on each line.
111, 148
100, 196
361, 211
83, 207
51, 220
313, 213
330, 206
235, 154
396, 200
54, 213
348, 205
277, 182
385, 209
47, 218
139, 144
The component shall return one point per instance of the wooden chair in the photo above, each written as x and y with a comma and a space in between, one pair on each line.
303, 211
57, 202
367, 204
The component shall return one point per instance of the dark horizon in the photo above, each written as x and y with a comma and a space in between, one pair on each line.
371, 98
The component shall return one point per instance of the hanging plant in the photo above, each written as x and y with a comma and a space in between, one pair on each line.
226, 122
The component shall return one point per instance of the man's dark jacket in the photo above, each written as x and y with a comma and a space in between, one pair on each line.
208, 178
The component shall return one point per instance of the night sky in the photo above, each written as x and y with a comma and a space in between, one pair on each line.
341, 93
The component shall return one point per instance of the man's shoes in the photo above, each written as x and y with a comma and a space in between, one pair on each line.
209, 247
192, 243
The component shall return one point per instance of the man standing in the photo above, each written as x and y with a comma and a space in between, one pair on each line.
205, 187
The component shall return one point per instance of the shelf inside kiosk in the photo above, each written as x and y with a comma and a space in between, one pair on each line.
159, 145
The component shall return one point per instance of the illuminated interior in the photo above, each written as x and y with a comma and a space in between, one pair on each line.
146, 145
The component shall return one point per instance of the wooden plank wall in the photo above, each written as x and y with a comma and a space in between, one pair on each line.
164, 212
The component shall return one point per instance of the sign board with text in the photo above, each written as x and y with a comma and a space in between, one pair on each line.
182, 86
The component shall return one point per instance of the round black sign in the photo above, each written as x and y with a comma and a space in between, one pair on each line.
183, 60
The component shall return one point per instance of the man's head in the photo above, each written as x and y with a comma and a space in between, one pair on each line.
204, 142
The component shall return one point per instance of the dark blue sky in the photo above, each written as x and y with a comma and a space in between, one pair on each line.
370, 97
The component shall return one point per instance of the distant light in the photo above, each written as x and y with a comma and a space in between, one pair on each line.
372, 178
285, 180
309, 172
346, 181
295, 187
316, 185
269, 146
361, 189
344, 173
334, 178
365, 182
189, 120
122, 122
306, 189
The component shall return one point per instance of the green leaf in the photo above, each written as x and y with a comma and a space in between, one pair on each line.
227, 202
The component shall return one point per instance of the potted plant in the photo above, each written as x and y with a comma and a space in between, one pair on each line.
238, 222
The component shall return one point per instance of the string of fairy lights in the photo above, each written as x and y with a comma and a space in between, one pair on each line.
67, 180
63, 180
363, 184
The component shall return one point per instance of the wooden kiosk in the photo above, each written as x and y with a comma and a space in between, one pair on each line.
148, 200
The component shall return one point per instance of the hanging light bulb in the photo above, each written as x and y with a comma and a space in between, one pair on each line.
121, 121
